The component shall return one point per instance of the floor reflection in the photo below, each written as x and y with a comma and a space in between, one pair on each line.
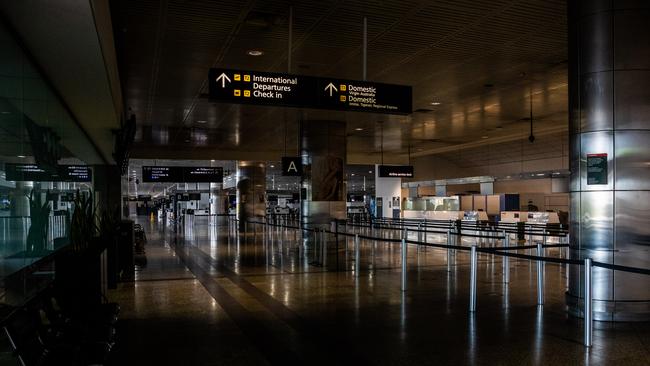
267, 298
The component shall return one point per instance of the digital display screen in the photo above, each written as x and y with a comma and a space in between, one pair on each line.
596, 168
181, 174
396, 171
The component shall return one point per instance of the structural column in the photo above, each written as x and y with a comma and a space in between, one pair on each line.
251, 190
609, 118
323, 150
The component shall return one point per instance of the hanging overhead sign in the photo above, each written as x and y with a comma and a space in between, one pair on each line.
291, 166
34, 173
287, 90
182, 174
396, 171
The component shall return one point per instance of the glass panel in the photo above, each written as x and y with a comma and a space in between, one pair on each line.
38, 139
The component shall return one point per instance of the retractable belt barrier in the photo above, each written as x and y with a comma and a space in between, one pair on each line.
505, 251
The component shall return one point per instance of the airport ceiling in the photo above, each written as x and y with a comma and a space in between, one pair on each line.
473, 65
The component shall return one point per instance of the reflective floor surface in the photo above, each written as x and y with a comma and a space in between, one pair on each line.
207, 298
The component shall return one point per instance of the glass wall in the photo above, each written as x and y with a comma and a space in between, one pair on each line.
43, 157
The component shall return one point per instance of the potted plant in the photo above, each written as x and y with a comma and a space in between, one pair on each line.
78, 276
39, 213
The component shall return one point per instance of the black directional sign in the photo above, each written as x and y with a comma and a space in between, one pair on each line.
182, 174
291, 166
396, 171
287, 90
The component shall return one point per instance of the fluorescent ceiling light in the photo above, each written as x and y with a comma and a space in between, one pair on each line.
254, 52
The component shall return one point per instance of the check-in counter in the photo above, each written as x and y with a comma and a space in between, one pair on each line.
475, 216
434, 215
531, 217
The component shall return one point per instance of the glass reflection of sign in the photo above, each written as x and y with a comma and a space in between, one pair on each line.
33, 173
180, 174
596, 169
202, 174
163, 174
396, 171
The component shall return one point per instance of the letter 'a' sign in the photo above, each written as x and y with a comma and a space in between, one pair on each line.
291, 166
287, 90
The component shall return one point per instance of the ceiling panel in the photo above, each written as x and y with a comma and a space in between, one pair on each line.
480, 59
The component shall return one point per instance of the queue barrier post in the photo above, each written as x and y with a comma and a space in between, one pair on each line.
472, 279
404, 252
588, 311
357, 255
540, 275
506, 259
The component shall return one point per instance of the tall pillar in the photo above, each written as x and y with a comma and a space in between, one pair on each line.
323, 154
609, 122
251, 190
107, 184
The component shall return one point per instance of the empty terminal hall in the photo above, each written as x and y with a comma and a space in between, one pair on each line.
324, 182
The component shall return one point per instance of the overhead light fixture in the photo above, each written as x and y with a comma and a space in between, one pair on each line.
352, 174
254, 52
540, 174
21, 156
358, 129
435, 103
202, 121
212, 160
272, 166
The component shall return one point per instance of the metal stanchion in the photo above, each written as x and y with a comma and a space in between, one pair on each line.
472, 279
357, 255
506, 259
588, 315
540, 275
404, 249
324, 247
448, 251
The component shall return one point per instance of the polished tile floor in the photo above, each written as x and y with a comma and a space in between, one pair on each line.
209, 298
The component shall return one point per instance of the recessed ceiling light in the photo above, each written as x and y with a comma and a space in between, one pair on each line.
254, 52
212, 160
202, 121
21, 156
358, 129
272, 166
540, 174
352, 174
435, 103
370, 171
